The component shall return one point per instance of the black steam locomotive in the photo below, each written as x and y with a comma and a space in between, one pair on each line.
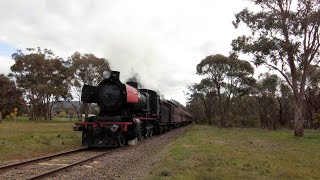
126, 113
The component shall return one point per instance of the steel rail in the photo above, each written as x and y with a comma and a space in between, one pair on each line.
14, 165
54, 171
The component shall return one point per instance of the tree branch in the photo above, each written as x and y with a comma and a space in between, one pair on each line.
282, 73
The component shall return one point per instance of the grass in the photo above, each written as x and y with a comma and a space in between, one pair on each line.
25, 119
212, 153
26, 139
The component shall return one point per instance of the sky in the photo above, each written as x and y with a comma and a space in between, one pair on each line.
162, 41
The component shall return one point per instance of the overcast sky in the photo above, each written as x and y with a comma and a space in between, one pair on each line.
163, 40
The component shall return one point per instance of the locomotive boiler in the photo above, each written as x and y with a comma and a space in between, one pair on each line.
126, 113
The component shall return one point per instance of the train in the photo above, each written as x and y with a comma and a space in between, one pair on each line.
127, 114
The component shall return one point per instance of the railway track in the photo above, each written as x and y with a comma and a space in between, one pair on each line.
30, 169
16, 165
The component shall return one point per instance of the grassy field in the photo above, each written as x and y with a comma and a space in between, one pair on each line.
24, 119
212, 153
26, 139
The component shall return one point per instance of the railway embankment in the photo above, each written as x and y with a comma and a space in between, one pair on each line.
207, 152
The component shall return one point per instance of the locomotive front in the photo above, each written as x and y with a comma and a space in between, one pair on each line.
121, 105
112, 96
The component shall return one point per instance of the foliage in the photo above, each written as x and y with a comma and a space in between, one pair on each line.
43, 78
86, 69
201, 101
62, 114
225, 78
10, 96
11, 117
312, 96
71, 112
286, 38
268, 104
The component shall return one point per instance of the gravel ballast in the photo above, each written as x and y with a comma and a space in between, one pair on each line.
132, 162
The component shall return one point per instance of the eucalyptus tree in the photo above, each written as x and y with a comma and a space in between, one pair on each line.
10, 97
43, 79
203, 94
86, 69
285, 37
286, 109
228, 78
312, 96
196, 108
267, 96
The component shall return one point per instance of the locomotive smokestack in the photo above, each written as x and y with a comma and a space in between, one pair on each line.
116, 75
133, 84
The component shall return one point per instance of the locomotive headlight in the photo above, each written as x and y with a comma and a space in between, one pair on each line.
114, 128
106, 74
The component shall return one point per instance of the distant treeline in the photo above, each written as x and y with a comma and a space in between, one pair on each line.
228, 95
285, 37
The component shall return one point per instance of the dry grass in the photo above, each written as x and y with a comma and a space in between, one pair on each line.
212, 153
30, 139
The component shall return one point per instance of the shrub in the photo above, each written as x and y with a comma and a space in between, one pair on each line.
62, 114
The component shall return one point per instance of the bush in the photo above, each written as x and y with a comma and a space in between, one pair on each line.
250, 121
62, 114
11, 117
165, 172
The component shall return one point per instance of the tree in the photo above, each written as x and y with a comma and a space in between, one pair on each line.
245, 111
284, 38
285, 105
86, 69
312, 96
267, 89
228, 77
10, 96
43, 78
195, 107
203, 93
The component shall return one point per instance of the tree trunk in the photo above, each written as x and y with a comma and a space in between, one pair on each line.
50, 111
281, 119
209, 115
298, 117
206, 108
222, 121
260, 113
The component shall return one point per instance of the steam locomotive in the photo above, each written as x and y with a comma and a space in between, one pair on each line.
127, 114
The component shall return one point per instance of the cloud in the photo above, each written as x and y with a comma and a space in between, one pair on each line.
163, 41
5, 64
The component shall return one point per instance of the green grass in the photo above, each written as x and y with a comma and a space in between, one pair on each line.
212, 153
26, 139
25, 119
